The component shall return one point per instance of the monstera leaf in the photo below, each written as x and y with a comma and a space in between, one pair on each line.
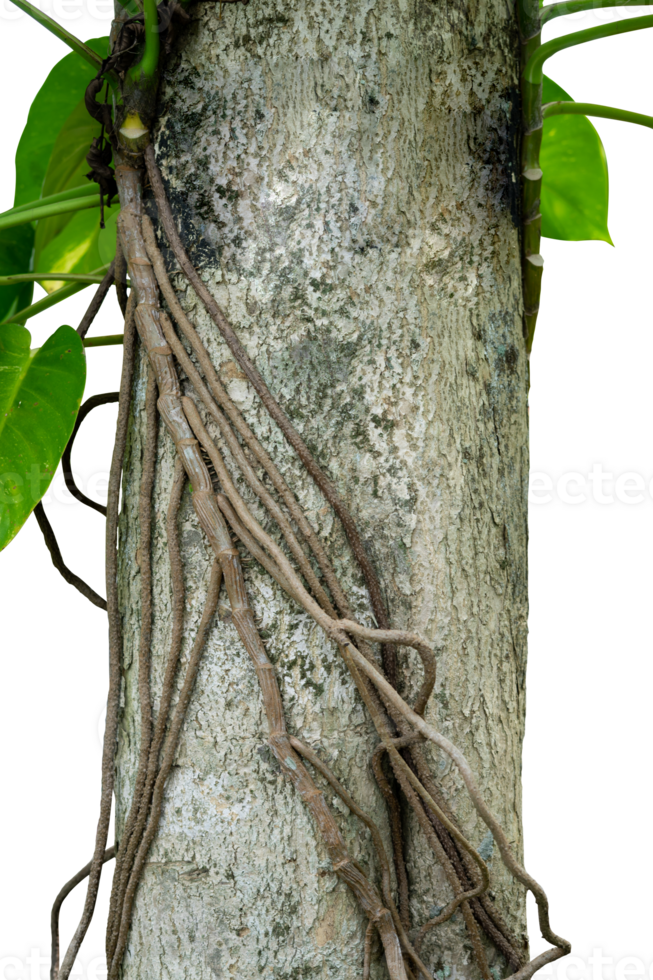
40, 394
575, 183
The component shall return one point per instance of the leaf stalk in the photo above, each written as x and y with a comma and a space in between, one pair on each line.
534, 69
56, 297
51, 25
600, 111
11, 219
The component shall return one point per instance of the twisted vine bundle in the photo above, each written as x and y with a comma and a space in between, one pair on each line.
401, 728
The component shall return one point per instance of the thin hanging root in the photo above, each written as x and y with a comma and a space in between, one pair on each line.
121, 927
94, 402
115, 645
377, 840
369, 934
121, 278
464, 867
109, 854
58, 562
119, 884
144, 560
273, 408
562, 946
97, 301
148, 324
130, 847
394, 812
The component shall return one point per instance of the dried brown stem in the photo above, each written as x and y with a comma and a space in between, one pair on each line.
97, 301
273, 408
94, 402
252, 545
56, 909
121, 278
367, 953
58, 562
377, 840
115, 645
562, 946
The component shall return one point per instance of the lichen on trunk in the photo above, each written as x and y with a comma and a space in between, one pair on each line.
344, 176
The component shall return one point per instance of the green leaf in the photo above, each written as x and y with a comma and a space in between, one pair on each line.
40, 394
109, 236
68, 242
74, 250
54, 102
575, 183
15, 256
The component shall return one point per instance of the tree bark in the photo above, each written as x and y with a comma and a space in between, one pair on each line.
344, 177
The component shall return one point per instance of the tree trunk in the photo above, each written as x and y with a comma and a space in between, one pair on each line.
344, 176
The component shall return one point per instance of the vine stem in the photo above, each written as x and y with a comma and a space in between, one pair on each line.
11, 219
533, 71
84, 190
94, 402
109, 854
58, 296
535, 52
454, 753
531, 175
88, 54
58, 562
600, 111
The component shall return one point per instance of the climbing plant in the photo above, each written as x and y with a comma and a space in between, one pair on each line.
78, 219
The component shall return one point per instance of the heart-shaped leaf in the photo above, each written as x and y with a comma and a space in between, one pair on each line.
40, 394
575, 183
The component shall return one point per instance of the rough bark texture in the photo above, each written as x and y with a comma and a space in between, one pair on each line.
344, 176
